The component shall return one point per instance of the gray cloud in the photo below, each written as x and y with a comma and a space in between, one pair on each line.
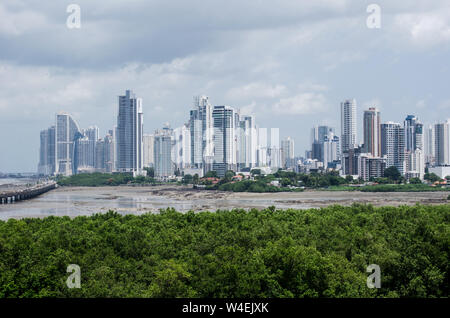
288, 62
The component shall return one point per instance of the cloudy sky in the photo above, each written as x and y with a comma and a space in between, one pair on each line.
288, 62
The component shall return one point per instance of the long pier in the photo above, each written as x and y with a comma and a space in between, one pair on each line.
27, 193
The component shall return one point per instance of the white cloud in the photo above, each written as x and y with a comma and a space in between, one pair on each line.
334, 59
256, 90
301, 104
17, 23
425, 29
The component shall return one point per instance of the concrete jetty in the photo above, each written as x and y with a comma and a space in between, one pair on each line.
26, 193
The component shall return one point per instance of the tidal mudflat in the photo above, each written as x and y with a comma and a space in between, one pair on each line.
74, 201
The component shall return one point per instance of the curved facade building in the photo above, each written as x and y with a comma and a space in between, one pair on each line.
66, 133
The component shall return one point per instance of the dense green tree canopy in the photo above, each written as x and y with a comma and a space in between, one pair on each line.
269, 253
392, 173
432, 177
211, 174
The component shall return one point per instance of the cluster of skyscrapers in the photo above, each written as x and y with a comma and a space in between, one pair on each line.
409, 147
215, 138
220, 138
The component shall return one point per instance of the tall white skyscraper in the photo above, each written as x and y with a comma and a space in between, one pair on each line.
348, 124
108, 153
429, 145
330, 150
247, 137
130, 134
92, 134
416, 164
262, 148
164, 165
318, 133
442, 143
413, 133
274, 152
287, 152
393, 145
224, 139
47, 152
66, 133
85, 155
201, 127
181, 147
149, 143
372, 132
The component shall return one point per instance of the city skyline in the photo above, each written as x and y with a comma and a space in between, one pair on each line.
289, 64
221, 138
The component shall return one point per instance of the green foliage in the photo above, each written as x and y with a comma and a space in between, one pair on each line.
255, 172
249, 186
150, 172
211, 174
229, 175
238, 253
392, 173
383, 180
195, 178
432, 177
188, 179
103, 179
415, 181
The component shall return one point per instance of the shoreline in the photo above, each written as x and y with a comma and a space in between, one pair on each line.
75, 201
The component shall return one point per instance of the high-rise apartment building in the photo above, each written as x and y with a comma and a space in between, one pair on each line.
287, 153
164, 165
130, 134
416, 164
104, 154
201, 128
429, 145
318, 133
348, 124
247, 140
149, 143
274, 149
321, 152
413, 133
393, 145
225, 149
92, 135
442, 143
47, 152
85, 155
330, 149
372, 132
181, 147
370, 167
